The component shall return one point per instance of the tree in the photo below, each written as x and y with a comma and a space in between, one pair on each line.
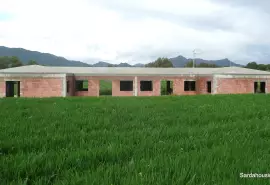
252, 65
7, 62
32, 62
189, 64
4, 62
203, 64
262, 67
267, 67
15, 62
160, 62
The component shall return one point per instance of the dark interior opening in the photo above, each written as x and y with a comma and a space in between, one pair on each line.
68, 87
81, 85
126, 85
12, 89
259, 87
209, 87
189, 86
146, 85
169, 87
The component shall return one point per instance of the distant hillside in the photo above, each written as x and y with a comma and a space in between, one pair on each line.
52, 60
101, 64
42, 58
138, 65
124, 65
181, 61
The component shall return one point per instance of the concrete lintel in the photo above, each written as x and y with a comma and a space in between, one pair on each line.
17, 75
243, 76
142, 75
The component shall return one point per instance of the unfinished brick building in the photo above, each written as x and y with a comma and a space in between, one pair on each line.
45, 81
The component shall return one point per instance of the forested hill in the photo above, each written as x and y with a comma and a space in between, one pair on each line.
41, 58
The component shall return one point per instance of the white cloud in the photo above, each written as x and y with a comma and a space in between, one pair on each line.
135, 31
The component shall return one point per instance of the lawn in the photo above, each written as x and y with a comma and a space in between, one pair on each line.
131, 141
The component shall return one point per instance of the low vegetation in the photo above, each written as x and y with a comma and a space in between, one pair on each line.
131, 140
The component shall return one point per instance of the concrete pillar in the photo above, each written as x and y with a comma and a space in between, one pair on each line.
266, 85
214, 86
136, 86
64, 89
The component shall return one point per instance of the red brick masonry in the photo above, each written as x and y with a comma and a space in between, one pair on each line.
238, 86
54, 86
36, 87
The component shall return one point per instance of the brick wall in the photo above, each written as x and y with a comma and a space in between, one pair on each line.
238, 85
202, 84
35, 87
267, 86
2, 88
52, 86
94, 83
156, 86
116, 89
93, 86
116, 84
41, 87
178, 84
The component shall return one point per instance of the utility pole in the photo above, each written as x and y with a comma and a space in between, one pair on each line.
194, 56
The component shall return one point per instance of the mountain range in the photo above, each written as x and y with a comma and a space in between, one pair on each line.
48, 59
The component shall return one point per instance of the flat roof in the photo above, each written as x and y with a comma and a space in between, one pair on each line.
130, 71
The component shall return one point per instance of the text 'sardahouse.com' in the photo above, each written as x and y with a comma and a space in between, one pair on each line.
254, 175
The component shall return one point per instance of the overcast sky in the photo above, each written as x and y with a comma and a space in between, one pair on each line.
139, 31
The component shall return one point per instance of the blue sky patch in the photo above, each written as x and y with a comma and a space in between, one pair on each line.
5, 16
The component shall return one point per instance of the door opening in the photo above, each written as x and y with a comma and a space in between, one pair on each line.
259, 87
105, 88
209, 87
166, 87
12, 89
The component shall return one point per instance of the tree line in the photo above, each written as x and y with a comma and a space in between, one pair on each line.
7, 62
165, 62
202, 64
254, 65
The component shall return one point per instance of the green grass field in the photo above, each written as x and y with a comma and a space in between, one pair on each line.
135, 141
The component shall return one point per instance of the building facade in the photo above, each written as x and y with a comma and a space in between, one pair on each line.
42, 81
